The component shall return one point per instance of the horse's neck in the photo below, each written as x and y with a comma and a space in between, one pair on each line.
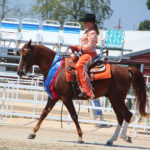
44, 62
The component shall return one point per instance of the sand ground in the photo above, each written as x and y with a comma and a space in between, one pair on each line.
52, 137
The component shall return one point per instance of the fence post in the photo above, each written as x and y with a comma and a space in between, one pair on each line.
106, 102
3, 105
69, 121
12, 101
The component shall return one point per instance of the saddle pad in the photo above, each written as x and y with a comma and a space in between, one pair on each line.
98, 69
95, 76
102, 75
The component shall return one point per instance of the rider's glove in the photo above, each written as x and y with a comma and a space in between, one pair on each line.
74, 48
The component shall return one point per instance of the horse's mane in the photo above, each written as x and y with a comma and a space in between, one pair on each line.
45, 49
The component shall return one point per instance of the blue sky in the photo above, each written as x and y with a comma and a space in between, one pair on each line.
131, 12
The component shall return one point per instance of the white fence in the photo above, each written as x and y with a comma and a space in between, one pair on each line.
147, 80
14, 91
27, 92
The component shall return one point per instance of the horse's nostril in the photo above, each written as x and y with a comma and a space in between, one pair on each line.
19, 73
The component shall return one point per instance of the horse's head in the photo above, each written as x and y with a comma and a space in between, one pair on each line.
27, 59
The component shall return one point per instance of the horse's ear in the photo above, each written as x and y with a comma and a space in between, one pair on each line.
29, 43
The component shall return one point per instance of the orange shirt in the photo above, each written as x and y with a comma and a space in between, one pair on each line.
88, 43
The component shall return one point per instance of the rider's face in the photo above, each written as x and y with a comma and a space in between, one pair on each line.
89, 25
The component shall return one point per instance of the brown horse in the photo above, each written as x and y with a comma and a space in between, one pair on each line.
116, 88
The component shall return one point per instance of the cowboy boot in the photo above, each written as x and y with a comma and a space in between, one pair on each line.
82, 94
91, 95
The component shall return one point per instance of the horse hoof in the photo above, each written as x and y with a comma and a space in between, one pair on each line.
109, 143
129, 139
80, 141
32, 136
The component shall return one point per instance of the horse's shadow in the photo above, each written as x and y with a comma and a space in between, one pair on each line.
100, 144
144, 133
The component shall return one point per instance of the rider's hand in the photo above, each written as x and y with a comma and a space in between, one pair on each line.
72, 48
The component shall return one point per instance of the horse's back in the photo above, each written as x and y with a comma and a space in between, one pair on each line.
120, 75
119, 71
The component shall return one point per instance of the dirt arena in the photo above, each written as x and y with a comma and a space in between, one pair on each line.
14, 131
52, 137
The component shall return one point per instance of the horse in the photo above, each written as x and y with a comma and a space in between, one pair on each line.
115, 88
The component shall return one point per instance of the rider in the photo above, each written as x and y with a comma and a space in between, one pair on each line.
87, 47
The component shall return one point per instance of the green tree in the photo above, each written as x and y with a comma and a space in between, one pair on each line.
50, 9
148, 4
145, 25
72, 10
8, 9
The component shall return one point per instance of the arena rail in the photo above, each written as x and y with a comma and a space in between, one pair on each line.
33, 85
9, 98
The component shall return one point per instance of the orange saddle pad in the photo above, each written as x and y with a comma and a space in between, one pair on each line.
95, 76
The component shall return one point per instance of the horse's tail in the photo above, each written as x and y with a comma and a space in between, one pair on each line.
139, 87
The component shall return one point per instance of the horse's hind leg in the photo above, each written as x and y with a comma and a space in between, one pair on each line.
50, 104
124, 111
128, 118
69, 105
121, 109
120, 119
123, 133
117, 99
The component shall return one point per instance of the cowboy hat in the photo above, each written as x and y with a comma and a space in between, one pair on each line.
88, 18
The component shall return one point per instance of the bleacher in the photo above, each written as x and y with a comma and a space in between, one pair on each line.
50, 31
71, 33
47, 33
29, 29
9, 28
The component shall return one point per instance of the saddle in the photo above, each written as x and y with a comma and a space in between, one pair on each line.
98, 70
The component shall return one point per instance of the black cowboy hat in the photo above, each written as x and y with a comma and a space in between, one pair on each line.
88, 18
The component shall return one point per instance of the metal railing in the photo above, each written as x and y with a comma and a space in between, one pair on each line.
10, 98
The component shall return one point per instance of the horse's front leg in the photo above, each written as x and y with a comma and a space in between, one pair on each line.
69, 105
50, 104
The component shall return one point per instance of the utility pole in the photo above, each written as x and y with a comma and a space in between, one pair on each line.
119, 25
133, 26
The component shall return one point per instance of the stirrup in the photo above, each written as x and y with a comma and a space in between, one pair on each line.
82, 95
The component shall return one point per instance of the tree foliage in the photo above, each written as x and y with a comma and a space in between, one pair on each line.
148, 4
145, 25
72, 10
7, 9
